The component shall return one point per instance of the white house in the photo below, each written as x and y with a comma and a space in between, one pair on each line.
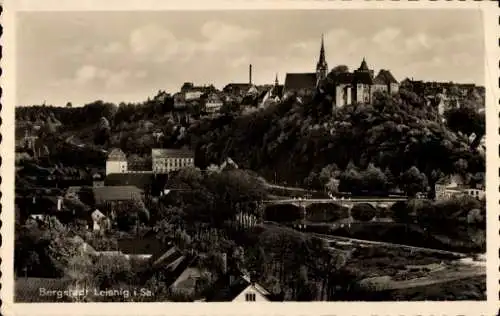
116, 162
193, 95
252, 293
98, 219
242, 289
213, 104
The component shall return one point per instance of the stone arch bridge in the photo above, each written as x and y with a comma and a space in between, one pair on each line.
347, 203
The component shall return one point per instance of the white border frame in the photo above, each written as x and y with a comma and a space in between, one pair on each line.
492, 52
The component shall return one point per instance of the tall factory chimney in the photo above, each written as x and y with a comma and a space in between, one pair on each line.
250, 74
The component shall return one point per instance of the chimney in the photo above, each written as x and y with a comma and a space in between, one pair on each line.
224, 263
250, 74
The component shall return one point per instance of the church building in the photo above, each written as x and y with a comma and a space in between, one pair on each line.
307, 82
350, 87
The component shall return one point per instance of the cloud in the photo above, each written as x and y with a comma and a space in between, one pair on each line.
418, 42
222, 34
86, 73
116, 79
462, 59
152, 41
113, 48
386, 36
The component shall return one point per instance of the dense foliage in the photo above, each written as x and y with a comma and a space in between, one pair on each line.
397, 142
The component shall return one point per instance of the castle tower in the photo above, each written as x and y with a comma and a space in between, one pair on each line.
321, 66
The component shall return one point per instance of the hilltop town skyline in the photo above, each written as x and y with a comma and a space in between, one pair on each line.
118, 60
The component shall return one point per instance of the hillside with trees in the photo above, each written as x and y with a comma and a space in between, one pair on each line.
397, 142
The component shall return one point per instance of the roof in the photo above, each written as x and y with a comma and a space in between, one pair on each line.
363, 66
117, 154
277, 90
97, 215
363, 77
171, 153
299, 81
385, 77
140, 246
169, 256
229, 163
344, 78
187, 279
139, 180
73, 190
116, 193
240, 86
224, 293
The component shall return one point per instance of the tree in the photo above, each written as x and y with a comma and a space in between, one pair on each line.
338, 70
465, 120
129, 214
80, 271
109, 271
373, 179
413, 181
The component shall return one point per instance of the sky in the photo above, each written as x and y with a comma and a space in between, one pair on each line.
81, 57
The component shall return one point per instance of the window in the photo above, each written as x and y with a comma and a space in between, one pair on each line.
250, 297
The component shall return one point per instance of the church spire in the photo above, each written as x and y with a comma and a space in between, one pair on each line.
321, 66
322, 51
276, 82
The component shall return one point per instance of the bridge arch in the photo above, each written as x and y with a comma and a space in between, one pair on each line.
364, 211
288, 212
326, 212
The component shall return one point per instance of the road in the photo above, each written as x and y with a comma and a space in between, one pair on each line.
333, 238
387, 244
443, 277
355, 199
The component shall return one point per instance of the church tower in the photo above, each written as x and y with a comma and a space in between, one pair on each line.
321, 66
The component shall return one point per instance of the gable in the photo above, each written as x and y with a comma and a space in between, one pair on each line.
251, 289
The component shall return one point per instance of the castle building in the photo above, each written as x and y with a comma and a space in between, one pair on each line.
349, 87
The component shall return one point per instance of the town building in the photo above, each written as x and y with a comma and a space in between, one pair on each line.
235, 90
116, 162
143, 248
385, 82
179, 100
360, 85
239, 89
454, 186
116, 194
140, 180
167, 160
213, 103
99, 221
240, 289
272, 94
